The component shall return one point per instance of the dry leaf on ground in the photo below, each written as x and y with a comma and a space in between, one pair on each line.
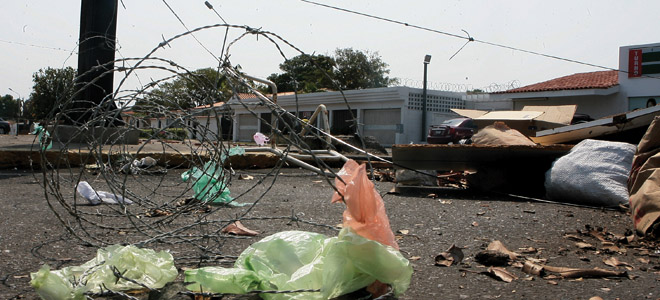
501, 274
245, 177
533, 269
238, 229
576, 273
499, 247
452, 256
492, 258
614, 262
585, 246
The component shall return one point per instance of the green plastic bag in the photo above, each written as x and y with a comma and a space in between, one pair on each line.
42, 136
294, 260
146, 266
209, 185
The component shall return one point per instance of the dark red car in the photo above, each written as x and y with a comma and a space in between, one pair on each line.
451, 131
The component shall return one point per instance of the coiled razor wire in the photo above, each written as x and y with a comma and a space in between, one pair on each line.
163, 213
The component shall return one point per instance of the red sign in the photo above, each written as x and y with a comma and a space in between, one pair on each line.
634, 63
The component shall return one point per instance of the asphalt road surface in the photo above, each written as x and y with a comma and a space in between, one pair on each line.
425, 226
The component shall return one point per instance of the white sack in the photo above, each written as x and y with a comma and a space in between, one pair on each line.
98, 197
593, 173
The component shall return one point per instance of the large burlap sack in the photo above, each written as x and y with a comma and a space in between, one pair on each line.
500, 134
592, 173
644, 181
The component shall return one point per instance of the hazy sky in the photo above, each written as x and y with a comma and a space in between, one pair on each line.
36, 34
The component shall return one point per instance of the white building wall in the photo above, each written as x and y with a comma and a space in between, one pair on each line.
646, 86
368, 99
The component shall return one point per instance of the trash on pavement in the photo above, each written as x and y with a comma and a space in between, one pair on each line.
593, 173
43, 136
527, 121
454, 255
293, 260
365, 210
260, 139
501, 274
416, 177
138, 166
145, 266
500, 134
644, 182
98, 197
209, 183
571, 272
237, 228
364, 254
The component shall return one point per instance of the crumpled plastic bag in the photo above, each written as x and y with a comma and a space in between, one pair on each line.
260, 139
365, 210
209, 184
98, 197
42, 136
294, 260
146, 266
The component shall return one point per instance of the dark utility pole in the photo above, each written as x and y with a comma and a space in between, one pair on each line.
96, 55
427, 60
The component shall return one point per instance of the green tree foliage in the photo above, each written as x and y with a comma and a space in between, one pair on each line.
51, 87
348, 69
199, 87
305, 73
360, 70
9, 107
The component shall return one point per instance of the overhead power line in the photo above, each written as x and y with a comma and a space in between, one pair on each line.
36, 46
467, 38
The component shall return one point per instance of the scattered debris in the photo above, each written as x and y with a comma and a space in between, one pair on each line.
260, 139
614, 262
365, 210
577, 273
608, 165
500, 134
364, 254
585, 246
158, 213
115, 268
237, 228
533, 269
499, 247
245, 177
501, 274
452, 256
416, 177
98, 197
209, 182
492, 258
644, 182
384, 175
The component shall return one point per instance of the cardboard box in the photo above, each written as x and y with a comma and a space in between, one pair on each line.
528, 121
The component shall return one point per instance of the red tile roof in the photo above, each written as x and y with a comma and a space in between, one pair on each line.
579, 81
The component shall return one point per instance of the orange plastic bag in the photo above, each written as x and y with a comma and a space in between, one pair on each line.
365, 210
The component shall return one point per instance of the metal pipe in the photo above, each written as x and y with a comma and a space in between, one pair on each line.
272, 85
291, 159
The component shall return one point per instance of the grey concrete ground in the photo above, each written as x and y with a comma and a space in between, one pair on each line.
426, 226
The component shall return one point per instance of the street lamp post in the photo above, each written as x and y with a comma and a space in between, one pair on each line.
427, 60
20, 102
